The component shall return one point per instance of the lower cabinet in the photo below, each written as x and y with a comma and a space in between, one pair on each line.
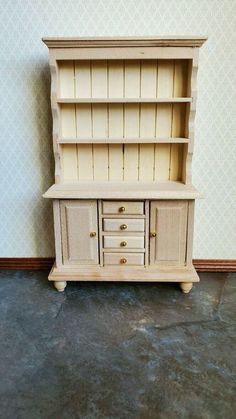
124, 232
168, 232
79, 232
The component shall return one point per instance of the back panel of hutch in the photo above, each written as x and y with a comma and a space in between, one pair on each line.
123, 132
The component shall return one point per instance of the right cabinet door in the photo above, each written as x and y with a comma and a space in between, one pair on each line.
168, 232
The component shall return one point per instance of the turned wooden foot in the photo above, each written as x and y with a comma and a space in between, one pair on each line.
60, 285
186, 287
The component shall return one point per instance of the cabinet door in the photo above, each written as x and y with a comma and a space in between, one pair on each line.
78, 221
169, 222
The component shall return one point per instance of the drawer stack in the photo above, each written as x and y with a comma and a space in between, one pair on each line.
124, 226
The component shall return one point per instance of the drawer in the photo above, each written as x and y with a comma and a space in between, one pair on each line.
124, 224
125, 259
124, 242
123, 207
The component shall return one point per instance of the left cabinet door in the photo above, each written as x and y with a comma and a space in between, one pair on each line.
79, 230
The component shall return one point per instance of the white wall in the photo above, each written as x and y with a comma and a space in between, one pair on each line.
25, 125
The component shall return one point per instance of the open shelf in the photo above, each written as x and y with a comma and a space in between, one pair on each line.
135, 140
126, 100
124, 190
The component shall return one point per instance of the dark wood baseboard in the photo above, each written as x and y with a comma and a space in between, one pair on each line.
201, 265
33, 264
215, 265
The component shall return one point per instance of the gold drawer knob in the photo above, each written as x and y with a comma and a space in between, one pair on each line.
123, 260
123, 226
123, 244
122, 209
153, 234
93, 234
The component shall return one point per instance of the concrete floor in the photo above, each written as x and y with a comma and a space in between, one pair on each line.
135, 351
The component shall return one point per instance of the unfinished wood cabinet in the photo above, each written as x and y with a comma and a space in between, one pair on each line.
168, 232
123, 132
79, 232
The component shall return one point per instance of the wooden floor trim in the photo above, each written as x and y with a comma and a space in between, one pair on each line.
201, 265
215, 265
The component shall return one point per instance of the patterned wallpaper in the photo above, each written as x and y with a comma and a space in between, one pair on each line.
25, 125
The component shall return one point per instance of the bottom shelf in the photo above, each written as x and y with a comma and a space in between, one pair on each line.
122, 190
124, 274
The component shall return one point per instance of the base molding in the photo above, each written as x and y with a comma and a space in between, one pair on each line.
123, 274
36, 263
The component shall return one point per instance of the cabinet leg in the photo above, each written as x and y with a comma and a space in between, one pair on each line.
186, 287
60, 285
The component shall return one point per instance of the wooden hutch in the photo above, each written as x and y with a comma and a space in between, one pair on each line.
123, 134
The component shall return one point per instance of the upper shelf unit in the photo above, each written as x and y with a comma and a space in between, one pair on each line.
120, 81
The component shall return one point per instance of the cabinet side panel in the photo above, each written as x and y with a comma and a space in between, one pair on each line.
57, 232
180, 78
176, 162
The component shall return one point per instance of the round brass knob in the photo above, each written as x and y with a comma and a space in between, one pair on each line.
93, 234
123, 244
123, 226
123, 260
122, 209
153, 234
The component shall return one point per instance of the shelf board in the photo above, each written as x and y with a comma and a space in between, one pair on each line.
110, 140
122, 190
125, 100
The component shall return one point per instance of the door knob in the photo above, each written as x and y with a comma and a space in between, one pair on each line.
93, 234
122, 209
123, 260
123, 244
153, 234
123, 226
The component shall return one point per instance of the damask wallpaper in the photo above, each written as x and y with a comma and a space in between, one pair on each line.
25, 124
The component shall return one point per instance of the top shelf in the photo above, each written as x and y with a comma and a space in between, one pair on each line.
126, 100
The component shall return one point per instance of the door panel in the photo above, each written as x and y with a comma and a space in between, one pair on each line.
169, 222
78, 220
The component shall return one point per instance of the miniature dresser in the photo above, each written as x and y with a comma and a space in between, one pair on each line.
123, 132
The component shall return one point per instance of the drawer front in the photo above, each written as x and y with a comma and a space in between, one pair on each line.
124, 242
123, 225
123, 207
125, 259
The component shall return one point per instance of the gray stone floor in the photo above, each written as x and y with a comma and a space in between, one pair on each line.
135, 351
